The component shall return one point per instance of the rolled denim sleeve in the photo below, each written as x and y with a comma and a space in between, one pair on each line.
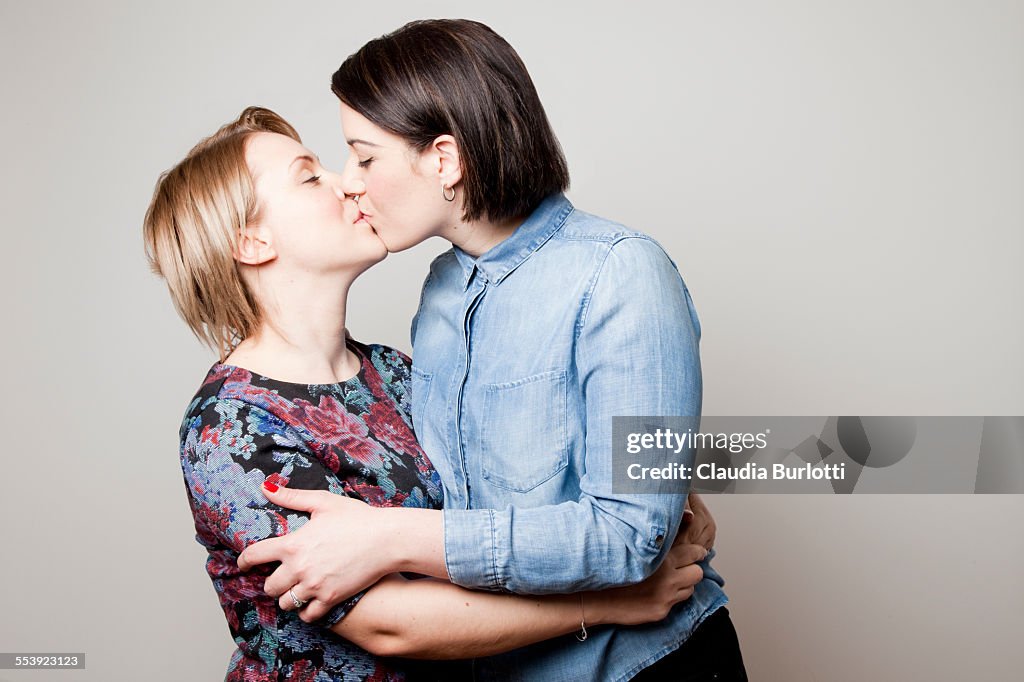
636, 354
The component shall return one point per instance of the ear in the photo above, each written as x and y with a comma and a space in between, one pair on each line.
254, 246
449, 163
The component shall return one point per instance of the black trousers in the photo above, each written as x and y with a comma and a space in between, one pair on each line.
711, 653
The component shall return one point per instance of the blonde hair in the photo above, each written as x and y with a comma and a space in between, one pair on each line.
192, 225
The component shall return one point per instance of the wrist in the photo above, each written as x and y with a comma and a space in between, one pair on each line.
596, 609
412, 540
394, 553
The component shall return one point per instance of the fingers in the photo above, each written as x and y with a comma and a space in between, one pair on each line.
710, 532
295, 498
287, 602
708, 526
685, 554
690, 575
687, 533
706, 536
314, 611
309, 607
687, 518
701, 537
278, 582
698, 532
686, 579
264, 551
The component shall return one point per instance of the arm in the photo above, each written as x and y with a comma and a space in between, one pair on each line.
638, 332
398, 617
229, 450
223, 471
233, 447
313, 556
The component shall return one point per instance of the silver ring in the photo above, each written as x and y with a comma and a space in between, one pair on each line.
295, 600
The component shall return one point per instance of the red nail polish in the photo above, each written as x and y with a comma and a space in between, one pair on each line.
272, 487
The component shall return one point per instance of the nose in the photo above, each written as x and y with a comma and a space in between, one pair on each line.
334, 180
351, 183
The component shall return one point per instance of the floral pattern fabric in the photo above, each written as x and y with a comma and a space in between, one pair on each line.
352, 438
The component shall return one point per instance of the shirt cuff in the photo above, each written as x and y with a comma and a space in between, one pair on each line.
469, 548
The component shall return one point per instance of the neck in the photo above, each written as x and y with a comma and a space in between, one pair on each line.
480, 236
302, 338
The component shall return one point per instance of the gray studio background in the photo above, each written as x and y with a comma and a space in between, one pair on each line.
840, 184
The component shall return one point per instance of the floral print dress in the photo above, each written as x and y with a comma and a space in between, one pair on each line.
352, 438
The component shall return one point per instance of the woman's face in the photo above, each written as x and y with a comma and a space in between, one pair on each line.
399, 189
303, 211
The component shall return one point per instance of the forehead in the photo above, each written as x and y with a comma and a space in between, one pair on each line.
358, 128
271, 153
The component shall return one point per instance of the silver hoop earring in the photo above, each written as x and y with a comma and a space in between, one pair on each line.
444, 193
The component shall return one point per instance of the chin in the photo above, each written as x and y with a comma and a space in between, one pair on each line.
389, 242
395, 247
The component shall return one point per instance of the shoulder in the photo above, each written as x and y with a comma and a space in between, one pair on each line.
227, 399
629, 271
587, 227
610, 247
639, 253
205, 398
386, 360
603, 242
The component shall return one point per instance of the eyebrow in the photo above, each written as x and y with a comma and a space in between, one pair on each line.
303, 157
362, 142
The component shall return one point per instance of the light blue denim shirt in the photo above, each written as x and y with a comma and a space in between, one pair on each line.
521, 358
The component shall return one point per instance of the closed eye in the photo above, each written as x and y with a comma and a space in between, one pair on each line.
315, 180
367, 162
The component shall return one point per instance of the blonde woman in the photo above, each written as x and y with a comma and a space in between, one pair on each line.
259, 247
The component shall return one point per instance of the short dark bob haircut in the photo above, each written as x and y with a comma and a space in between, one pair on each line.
458, 77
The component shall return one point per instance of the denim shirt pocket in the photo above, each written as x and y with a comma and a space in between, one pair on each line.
418, 398
523, 431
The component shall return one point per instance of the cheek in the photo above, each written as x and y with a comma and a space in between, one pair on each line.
402, 205
382, 195
394, 196
327, 212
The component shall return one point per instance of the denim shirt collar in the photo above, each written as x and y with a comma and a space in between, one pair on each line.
502, 259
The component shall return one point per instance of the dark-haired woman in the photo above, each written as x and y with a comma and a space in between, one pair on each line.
537, 327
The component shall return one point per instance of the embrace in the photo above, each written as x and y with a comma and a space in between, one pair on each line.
448, 517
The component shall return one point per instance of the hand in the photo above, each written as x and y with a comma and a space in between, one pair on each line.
698, 526
325, 561
651, 600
